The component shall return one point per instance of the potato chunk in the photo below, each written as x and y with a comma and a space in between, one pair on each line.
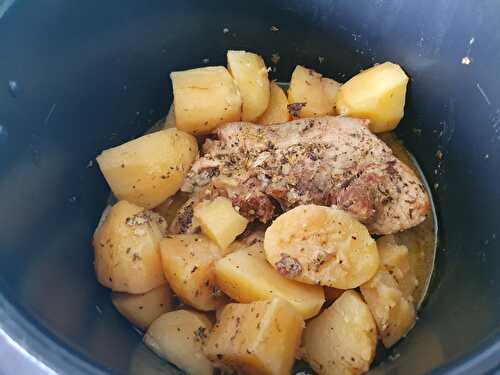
205, 98
277, 110
321, 245
330, 89
188, 263
307, 87
149, 169
396, 260
219, 221
178, 337
257, 338
342, 339
377, 94
127, 249
142, 309
250, 74
393, 312
246, 276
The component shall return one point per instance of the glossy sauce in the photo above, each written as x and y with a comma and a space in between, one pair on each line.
421, 240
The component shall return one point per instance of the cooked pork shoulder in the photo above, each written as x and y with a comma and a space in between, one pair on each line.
331, 161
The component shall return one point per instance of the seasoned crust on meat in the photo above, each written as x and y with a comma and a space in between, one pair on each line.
331, 161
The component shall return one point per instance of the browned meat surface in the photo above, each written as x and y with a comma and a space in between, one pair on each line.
331, 161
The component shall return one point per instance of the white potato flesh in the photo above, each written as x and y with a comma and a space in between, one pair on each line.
142, 309
306, 91
330, 90
277, 110
219, 221
392, 311
149, 169
396, 260
127, 249
205, 98
178, 337
188, 264
260, 338
246, 276
250, 73
321, 245
342, 339
377, 94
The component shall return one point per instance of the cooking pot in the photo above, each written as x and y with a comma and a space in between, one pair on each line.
77, 77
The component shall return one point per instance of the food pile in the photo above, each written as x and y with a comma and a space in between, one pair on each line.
241, 239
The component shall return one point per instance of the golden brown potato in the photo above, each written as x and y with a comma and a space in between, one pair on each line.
188, 263
219, 221
392, 311
259, 338
170, 120
321, 245
396, 260
142, 309
306, 87
342, 339
246, 276
377, 94
277, 110
149, 169
330, 89
205, 98
127, 249
178, 336
250, 74
168, 209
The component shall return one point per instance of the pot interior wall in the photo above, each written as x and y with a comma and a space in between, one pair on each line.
79, 77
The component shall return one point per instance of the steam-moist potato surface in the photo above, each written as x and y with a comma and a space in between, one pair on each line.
148, 170
321, 245
259, 338
205, 98
127, 249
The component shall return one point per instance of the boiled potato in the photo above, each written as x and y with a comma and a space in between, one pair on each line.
321, 245
188, 263
393, 312
219, 221
377, 94
246, 276
170, 120
168, 209
342, 339
250, 74
257, 338
205, 98
149, 169
142, 309
127, 249
395, 259
178, 336
330, 89
306, 87
277, 110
